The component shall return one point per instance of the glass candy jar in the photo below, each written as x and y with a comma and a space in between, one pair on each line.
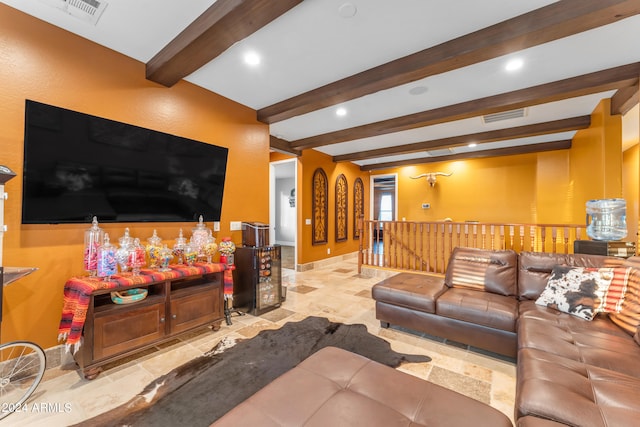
107, 263
154, 244
166, 256
122, 254
226, 248
178, 247
199, 236
190, 253
136, 256
92, 241
210, 247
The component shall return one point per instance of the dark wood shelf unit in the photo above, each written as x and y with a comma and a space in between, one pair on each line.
113, 331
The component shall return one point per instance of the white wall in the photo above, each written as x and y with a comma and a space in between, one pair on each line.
285, 226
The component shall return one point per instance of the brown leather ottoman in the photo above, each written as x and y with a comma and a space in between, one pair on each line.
409, 290
334, 387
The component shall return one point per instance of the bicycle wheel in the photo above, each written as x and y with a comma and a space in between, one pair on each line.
22, 366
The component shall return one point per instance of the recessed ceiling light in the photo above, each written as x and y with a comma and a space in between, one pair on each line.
418, 90
341, 112
347, 10
252, 58
514, 64
473, 144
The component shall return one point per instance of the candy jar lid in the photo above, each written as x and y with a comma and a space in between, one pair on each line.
94, 234
199, 234
155, 240
181, 240
106, 242
126, 239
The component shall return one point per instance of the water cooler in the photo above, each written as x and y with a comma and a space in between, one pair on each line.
606, 226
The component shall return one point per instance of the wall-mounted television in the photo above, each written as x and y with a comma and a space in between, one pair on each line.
77, 166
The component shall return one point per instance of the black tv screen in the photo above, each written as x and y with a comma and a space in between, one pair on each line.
77, 166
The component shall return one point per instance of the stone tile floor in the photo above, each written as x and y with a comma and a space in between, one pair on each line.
336, 292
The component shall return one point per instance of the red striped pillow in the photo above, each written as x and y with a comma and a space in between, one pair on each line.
612, 296
628, 318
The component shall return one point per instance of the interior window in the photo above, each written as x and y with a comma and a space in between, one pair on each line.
386, 208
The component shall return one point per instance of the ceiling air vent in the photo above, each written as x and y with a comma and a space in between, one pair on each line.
504, 115
86, 10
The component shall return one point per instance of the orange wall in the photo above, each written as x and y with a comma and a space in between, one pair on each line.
308, 163
550, 187
41, 62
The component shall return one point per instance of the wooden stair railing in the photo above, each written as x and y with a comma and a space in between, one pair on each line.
426, 246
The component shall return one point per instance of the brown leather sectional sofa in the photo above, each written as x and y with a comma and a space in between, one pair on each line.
570, 371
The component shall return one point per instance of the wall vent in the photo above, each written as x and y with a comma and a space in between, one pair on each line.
86, 10
504, 115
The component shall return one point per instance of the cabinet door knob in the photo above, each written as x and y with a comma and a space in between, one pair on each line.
173, 316
162, 319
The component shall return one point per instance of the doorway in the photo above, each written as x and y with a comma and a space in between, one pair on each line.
384, 197
384, 206
283, 209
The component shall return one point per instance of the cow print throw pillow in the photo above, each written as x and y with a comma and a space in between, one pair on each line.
585, 292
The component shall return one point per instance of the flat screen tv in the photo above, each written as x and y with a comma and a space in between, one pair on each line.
77, 166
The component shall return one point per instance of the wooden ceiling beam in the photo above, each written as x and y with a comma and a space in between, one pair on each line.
508, 151
624, 99
555, 21
218, 28
563, 125
282, 146
600, 81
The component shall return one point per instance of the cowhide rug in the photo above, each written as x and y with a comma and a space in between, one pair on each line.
202, 390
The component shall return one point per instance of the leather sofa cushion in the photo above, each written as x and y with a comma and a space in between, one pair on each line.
574, 393
335, 387
483, 308
410, 290
482, 269
598, 343
534, 269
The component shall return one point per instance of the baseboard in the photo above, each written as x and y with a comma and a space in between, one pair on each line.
326, 262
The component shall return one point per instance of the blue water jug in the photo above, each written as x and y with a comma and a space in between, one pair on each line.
606, 219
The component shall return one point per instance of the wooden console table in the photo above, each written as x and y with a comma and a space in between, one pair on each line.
177, 301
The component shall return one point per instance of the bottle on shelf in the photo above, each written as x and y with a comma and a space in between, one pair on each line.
190, 253
107, 262
93, 238
122, 253
136, 257
178, 247
165, 256
199, 236
210, 247
154, 244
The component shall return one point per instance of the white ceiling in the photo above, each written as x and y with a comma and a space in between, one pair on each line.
314, 44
